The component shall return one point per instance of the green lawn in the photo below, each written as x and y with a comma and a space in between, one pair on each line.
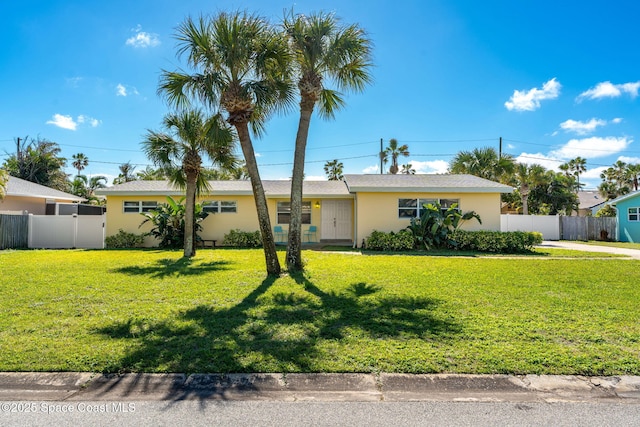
626, 245
152, 311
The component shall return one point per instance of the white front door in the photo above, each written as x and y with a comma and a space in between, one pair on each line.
336, 220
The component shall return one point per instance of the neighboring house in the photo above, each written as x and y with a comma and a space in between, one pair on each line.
590, 202
340, 211
627, 217
33, 198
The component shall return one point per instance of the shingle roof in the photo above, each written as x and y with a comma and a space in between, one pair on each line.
242, 187
22, 188
589, 199
424, 183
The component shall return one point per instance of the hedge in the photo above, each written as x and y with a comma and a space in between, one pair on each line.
496, 241
381, 241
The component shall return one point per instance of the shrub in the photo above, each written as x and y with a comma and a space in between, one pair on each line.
436, 225
243, 239
124, 240
168, 222
496, 241
381, 241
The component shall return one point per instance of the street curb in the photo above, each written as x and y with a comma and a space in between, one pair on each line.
74, 386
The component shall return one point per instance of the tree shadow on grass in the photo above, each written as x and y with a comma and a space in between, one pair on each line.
274, 331
173, 267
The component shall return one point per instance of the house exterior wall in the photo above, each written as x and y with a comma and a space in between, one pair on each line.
628, 230
34, 205
214, 227
379, 211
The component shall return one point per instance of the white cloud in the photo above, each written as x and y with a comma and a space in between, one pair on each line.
530, 100
539, 159
582, 128
592, 147
143, 39
89, 120
433, 166
617, 120
609, 90
627, 159
64, 122
121, 90
592, 173
371, 169
67, 122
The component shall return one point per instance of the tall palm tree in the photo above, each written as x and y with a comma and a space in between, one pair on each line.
526, 177
483, 162
323, 51
333, 170
80, 161
126, 173
633, 170
577, 166
240, 66
393, 151
190, 136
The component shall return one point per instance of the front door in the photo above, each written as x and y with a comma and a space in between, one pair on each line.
336, 220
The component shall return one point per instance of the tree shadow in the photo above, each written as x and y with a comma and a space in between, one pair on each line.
173, 267
284, 331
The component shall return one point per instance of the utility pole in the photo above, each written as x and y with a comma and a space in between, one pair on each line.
500, 152
380, 156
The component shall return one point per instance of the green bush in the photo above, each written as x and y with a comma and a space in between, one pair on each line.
381, 241
243, 239
124, 240
496, 241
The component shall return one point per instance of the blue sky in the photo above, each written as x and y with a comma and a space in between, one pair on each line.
555, 80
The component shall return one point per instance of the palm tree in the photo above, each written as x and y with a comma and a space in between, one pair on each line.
408, 169
80, 161
323, 50
483, 162
151, 174
526, 177
86, 187
333, 169
240, 67
633, 170
126, 173
577, 166
190, 136
394, 151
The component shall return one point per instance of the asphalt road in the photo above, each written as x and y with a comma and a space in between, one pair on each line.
282, 414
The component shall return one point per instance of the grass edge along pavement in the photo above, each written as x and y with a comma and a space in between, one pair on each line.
153, 311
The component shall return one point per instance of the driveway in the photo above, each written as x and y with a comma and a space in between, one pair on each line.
565, 244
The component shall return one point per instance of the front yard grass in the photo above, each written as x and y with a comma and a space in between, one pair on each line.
153, 311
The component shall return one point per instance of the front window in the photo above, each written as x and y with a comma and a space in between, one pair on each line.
634, 214
217, 206
414, 208
284, 212
138, 206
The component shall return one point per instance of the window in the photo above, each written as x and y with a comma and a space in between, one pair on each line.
634, 214
284, 212
137, 207
412, 208
217, 206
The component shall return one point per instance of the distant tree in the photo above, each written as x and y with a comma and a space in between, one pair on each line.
633, 170
484, 163
151, 174
38, 161
526, 177
617, 180
333, 170
393, 151
86, 187
606, 211
408, 169
554, 195
575, 167
126, 174
4, 181
80, 161
191, 135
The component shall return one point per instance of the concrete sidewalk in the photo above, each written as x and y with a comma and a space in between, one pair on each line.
73, 386
564, 244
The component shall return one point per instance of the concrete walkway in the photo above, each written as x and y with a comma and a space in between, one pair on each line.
565, 244
74, 386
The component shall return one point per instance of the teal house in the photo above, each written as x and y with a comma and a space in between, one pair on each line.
628, 217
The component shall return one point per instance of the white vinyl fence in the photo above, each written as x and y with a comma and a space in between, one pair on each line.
66, 231
548, 225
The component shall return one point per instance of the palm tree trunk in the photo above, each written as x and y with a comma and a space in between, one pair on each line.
269, 245
189, 217
294, 247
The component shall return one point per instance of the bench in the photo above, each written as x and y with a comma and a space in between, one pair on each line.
203, 243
